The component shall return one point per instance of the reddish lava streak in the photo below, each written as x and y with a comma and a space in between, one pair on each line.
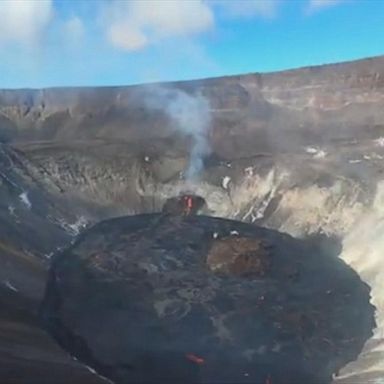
184, 205
195, 359
188, 203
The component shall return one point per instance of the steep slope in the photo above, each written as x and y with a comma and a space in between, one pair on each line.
33, 226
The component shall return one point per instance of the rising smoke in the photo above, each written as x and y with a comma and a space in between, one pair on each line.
190, 115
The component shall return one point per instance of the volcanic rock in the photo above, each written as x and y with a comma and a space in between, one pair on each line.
194, 299
180, 205
239, 256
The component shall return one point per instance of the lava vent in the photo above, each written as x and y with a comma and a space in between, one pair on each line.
185, 204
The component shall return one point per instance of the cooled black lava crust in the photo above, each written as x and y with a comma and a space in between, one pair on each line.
169, 299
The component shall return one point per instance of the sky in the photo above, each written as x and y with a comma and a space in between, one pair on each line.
49, 43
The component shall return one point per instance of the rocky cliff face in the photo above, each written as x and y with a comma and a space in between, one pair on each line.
329, 102
299, 151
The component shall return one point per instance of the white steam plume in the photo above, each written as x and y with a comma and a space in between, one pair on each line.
190, 114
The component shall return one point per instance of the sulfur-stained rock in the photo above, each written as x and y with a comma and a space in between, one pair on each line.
239, 256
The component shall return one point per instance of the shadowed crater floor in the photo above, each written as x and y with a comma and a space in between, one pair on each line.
196, 299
